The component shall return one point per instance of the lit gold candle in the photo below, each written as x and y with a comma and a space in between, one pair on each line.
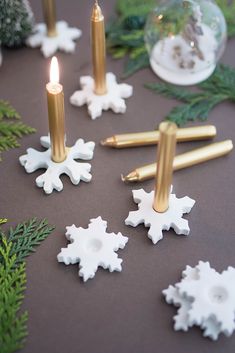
165, 157
98, 50
55, 102
50, 17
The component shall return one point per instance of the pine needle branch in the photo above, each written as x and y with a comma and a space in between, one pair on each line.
14, 247
7, 142
13, 329
11, 131
7, 111
197, 105
171, 91
134, 7
26, 236
228, 9
15, 129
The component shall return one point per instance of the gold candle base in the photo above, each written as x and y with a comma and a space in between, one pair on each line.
49, 12
98, 50
55, 101
165, 157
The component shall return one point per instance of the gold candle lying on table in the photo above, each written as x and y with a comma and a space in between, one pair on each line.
183, 160
50, 17
98, 50
152, 137
165, 157
55, 102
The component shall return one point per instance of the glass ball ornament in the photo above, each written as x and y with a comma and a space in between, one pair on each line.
185, 39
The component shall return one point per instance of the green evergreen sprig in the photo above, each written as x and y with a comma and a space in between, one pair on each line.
11, 131
125, 34
26, 236
7, 111
3, 220
13, 329
228, 9
126, 8
197, 105
14, 247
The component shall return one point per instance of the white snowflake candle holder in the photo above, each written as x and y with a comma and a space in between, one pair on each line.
156, 221
50, 180
113, 99
64, 39
206, 299
92, 247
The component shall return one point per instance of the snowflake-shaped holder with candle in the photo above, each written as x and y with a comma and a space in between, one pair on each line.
100, 92
92, 247
50, 180
157, 221
113, 99
63, 40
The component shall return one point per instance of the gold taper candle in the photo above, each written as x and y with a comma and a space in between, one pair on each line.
152, 137
165, 157
50, 17
55, 102
184, 160
98, 49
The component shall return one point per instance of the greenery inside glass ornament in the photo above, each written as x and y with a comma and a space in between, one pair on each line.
185, 39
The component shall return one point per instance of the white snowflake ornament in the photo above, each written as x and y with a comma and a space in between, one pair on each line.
64, 40
206, 298
50, 180
113, 99
92, 247
156, 221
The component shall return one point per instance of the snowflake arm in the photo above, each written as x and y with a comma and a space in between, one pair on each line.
49, 181
78, 171
82, 150
33, 160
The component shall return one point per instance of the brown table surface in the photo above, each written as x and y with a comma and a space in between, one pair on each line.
118, 312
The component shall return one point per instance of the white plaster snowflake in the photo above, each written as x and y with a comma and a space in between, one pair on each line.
173, 296
64, 40
213, 296
157, 221
113, 99
202, 297
92, 247
50, 180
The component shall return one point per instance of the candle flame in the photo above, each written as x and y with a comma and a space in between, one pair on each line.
54, 70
